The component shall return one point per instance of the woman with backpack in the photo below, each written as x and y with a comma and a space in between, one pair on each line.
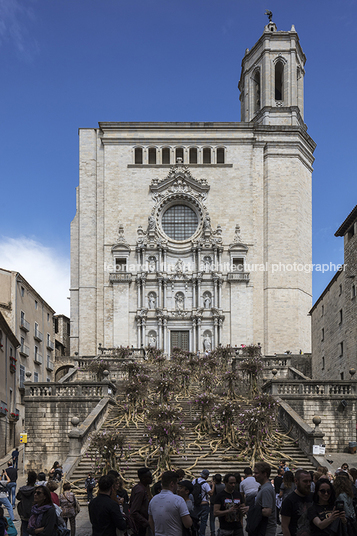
70, 507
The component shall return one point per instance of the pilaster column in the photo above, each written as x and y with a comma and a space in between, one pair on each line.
143, 283
143, 326
199, 291
164, 294
194, 335
138, 331
220, 323
159, 295
220, 282
159, 334
215, 333
199, 321
138, 285
164, 259
165, 335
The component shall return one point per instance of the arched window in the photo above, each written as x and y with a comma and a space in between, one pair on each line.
165, 155
179, 154
193, 155
256, 91
138, 155
220, 155
152, 155
207, 155
279, 77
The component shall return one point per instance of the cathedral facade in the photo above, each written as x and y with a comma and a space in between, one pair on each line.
199, 234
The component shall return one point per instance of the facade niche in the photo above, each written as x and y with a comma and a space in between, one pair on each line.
220, 155
138, 155
256, 92
279, 79
152, 155
207, 155
165, 155
193, 155
179, 154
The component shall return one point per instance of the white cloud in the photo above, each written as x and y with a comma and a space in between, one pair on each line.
14, 18
42, 266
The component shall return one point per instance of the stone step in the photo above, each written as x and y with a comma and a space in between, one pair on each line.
199, 455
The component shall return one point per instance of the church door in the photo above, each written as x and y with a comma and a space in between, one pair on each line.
180, 339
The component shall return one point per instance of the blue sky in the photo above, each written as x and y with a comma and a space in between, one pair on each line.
67, 64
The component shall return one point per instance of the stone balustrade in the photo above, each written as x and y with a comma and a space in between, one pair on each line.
68, 390
49, 409
311, 387
334, 401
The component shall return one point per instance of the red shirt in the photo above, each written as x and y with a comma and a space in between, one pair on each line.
55, 498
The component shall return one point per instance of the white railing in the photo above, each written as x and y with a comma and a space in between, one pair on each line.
24, 350
24, 324
38, 335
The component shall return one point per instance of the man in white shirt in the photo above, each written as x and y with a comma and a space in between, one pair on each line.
167, 511
249, 487
201, 511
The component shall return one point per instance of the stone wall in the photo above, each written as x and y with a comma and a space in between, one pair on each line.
334, 318
334, 402
49, 409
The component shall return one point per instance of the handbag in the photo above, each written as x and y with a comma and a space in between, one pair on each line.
63, 531
256, 523
77, 508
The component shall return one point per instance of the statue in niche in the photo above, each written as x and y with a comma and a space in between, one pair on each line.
207, 301
179, 301
151, 223
207, 223
152, 340
179, 266
152, 264
207, 344
207, 261
152, 300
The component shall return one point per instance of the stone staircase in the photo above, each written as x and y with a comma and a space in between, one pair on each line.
192, 458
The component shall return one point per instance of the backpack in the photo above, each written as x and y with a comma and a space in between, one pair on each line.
197, 492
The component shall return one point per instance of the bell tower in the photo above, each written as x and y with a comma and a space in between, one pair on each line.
272, 79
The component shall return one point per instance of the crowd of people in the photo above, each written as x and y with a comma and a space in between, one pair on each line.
300, 503
297, 503
41, 510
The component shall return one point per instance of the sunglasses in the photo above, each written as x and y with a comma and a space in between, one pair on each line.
325, 491
38, 493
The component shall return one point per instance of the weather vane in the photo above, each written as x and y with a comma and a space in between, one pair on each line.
269, 14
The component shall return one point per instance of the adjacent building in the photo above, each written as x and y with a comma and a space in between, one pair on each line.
193, 234
9, 402
30, 319
334, 315
61, 326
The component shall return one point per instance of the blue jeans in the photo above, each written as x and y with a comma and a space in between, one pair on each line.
212, 519
11, 486
24, 528
15, 462
202, 512
5, 501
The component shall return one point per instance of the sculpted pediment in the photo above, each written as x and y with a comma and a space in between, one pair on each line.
180, 180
